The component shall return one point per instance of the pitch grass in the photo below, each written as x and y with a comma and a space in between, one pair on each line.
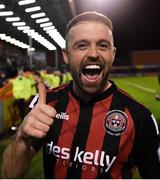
35, 171
143, 89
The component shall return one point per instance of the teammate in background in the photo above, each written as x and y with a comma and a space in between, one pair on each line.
20, 89
38, 79
66, 77
89, 128
56, 78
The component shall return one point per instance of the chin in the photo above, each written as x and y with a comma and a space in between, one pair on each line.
91, 90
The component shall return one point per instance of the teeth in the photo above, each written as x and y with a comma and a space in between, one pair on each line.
92, 66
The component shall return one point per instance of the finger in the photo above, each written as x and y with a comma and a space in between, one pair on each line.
41, 126
37, 133
42, 93
47, 110
41, 117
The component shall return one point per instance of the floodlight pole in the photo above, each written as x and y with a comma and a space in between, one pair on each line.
30, 51
56, 59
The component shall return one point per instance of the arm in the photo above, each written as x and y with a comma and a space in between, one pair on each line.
147, 147
16, 158
19, 153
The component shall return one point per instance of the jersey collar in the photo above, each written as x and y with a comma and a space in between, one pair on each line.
98, 97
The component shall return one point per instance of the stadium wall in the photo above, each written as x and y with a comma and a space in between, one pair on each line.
145, 57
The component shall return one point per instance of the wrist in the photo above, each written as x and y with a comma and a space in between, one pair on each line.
22, 138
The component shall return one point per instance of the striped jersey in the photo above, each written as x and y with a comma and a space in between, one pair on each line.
106, 137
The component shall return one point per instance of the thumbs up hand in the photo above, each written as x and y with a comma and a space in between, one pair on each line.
37, 123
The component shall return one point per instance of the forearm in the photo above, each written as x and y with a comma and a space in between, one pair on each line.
16, 158
18, 154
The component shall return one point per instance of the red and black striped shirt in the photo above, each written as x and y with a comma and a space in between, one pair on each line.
103, 138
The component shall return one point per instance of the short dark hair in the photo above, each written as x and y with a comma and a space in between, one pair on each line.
36, 73
88, 16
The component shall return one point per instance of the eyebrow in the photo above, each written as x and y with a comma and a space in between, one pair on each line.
104, 40
100, 40
80, 41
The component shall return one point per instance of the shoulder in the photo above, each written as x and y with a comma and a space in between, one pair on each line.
53, 95
141, 115
135, 108
130, 102
58, 92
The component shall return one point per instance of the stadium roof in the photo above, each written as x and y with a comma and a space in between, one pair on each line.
136, 22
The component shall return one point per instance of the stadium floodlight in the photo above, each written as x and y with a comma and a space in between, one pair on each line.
8, 38
6, 13
60, 41
51, 31
48, 28
2, 6
29, 31
24, 2
31, 49
23, 28
38, 15
46, 24
26, 29
2, 35
56, 36
19, 24
42, 20
13, 41
32, 9
12, 19
40, 39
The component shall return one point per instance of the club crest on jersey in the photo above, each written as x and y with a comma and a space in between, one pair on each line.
115, 122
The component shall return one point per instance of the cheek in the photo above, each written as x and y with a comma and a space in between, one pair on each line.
75, 60
109, 58
73, 64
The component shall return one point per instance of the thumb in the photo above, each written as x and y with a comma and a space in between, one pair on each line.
42, 93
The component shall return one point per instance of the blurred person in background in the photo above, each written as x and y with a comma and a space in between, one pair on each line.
89, 128
21, 88
3, 79
38, 78
66, 77
56, 78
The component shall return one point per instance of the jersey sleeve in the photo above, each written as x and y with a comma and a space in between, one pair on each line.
146, 153
34, 101
36, 144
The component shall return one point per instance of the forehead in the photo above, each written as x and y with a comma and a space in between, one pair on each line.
85, 29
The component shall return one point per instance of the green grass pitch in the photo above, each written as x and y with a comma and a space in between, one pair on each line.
143, 89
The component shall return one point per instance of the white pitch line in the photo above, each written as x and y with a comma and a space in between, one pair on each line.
141, 87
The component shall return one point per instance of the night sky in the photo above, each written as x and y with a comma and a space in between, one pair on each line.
136, 22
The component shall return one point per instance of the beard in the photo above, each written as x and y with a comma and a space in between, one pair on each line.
90, 90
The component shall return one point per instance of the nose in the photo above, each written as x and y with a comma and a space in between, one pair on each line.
93, 53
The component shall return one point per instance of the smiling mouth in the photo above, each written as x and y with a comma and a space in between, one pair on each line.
91, 73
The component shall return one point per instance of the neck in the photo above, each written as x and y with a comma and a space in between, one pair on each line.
86, 96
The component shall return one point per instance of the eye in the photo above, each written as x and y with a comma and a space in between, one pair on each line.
105, 46
81, 45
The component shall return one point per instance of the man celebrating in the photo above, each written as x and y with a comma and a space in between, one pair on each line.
89, 128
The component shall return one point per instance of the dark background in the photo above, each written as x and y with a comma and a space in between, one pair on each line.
136, 22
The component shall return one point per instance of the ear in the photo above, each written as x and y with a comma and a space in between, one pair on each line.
65, 56
114, 53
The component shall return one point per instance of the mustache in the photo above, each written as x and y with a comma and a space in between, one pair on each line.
92, 60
